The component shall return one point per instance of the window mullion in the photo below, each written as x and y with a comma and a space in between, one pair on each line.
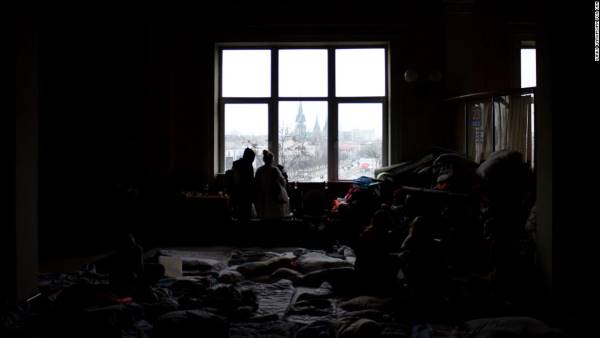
386, 130
220, 118
385, 134
332, 124
274, 105
221, 136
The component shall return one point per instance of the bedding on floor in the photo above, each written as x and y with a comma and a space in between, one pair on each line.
235, 292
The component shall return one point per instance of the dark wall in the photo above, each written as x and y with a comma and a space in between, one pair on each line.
567, 85
20, 252
7, 226
483, 42
103, 122
546, 70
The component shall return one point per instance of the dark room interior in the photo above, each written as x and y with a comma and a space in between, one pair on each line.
126, 217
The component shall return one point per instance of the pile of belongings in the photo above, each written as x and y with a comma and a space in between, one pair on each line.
474, 221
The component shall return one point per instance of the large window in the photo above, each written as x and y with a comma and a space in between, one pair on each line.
321, 110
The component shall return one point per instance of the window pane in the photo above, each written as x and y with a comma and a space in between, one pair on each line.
303, 72
527, 67
360, 139
246, 73
246, 125
303, 140
360, 72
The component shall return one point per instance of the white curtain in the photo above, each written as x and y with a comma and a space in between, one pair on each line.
513, 124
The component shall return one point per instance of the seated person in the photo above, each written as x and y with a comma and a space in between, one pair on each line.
423, 260
272, 200
129, 274
375, 266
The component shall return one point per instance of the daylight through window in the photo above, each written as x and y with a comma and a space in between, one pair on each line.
321, 111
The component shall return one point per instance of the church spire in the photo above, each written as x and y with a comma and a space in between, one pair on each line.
300, 116
300, 131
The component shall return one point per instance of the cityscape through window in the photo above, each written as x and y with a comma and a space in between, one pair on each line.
283, 99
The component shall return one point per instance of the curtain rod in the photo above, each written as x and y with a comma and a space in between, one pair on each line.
520, 91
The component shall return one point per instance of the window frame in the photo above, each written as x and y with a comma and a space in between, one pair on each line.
273, 100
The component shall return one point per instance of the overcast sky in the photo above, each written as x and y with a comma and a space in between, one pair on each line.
303, 73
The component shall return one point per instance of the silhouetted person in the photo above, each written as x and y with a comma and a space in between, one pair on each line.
376, 268
243, 185
128, 273
423, 261
272, 200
